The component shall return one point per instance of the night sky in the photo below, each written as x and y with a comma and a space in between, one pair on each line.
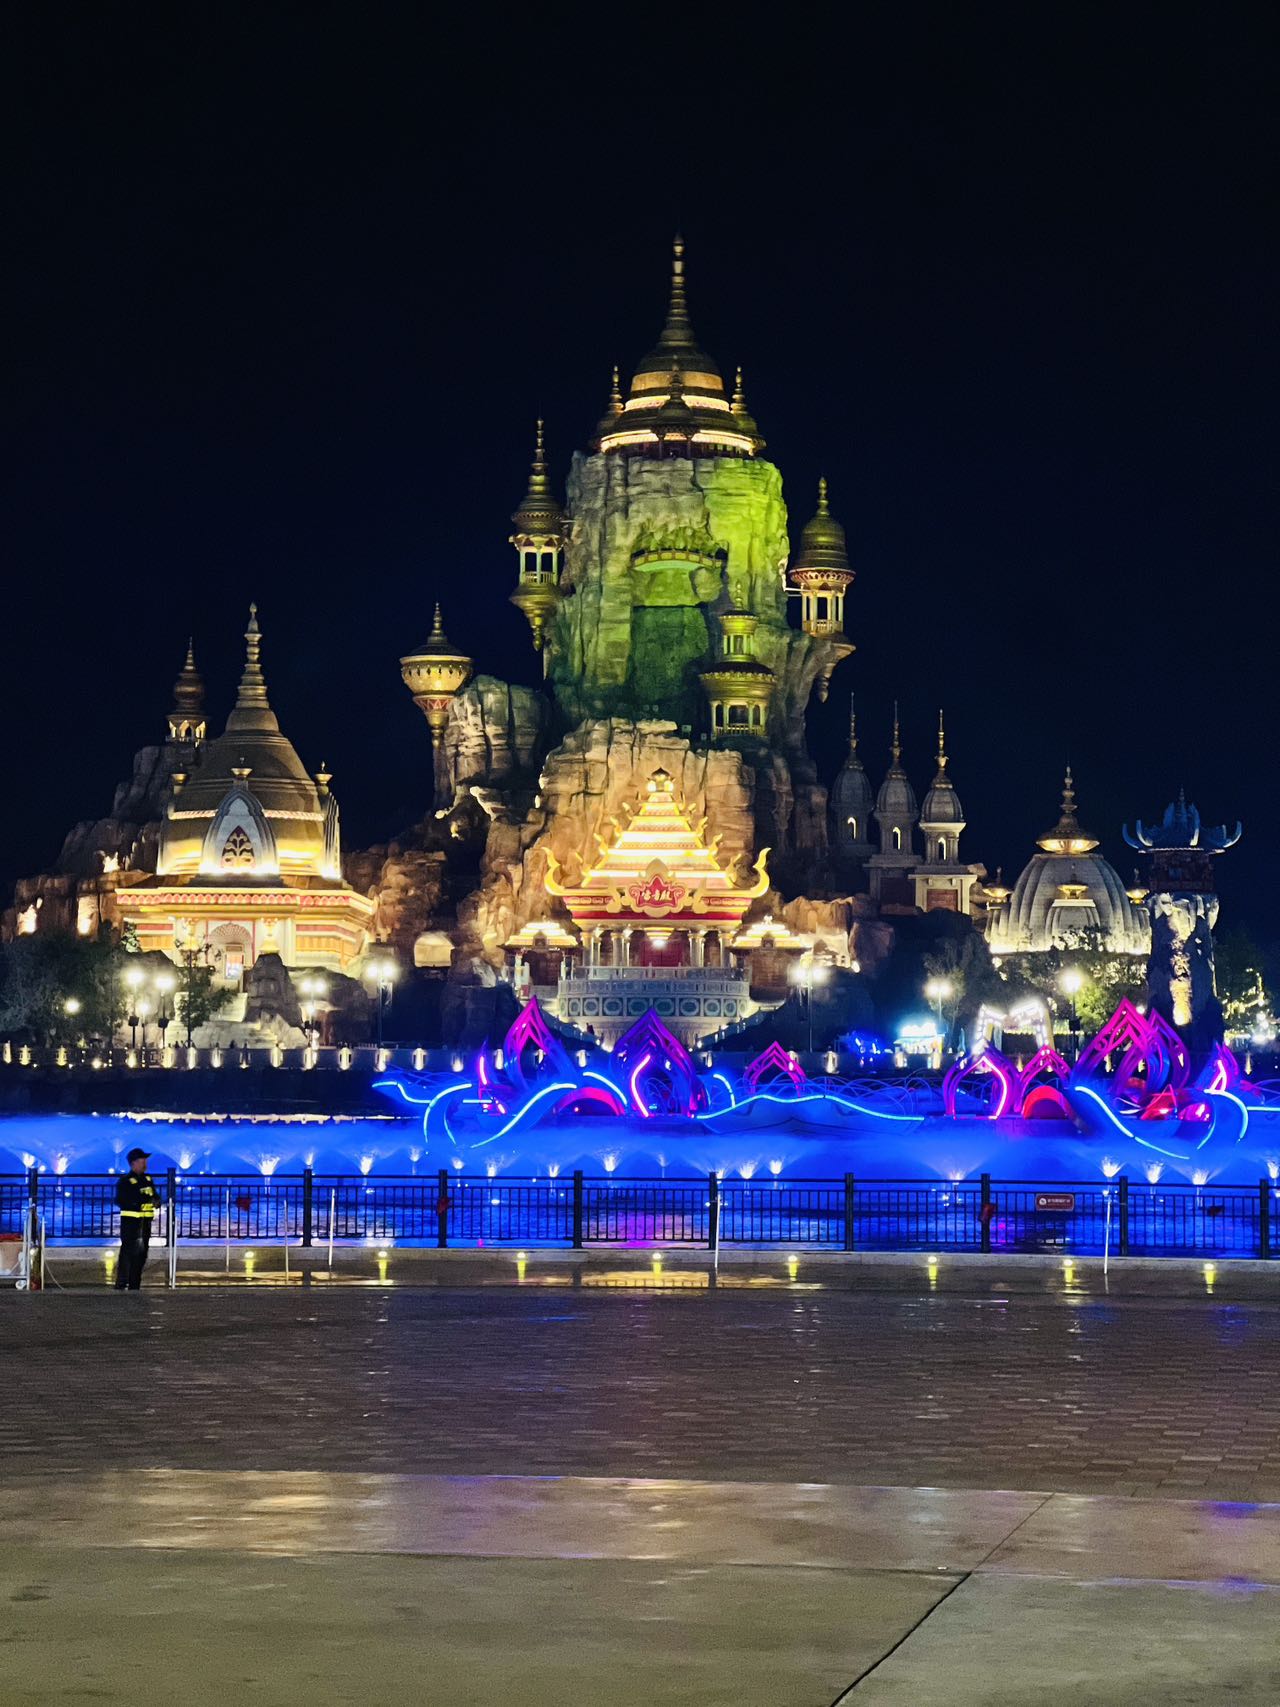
288, 286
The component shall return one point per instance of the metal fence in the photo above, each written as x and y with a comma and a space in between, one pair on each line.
850, 1214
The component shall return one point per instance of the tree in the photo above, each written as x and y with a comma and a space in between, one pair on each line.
1240, 968
199, 995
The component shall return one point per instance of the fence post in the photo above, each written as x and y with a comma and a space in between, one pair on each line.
984, 1216
171, 1206
442, 1209
308, 1206
1124, 1215
33, 1205
848, 1211
713, 1211
577, 1209
1264, 1217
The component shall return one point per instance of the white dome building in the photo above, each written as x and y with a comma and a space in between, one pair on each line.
1066, 890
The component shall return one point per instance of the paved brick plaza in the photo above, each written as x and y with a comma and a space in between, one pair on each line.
1132, 1395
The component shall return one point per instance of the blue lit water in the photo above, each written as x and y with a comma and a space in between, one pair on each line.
789, 1148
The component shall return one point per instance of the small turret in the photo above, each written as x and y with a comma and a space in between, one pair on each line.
821, 571
941, 881
852, 804
738, 686
187, 726
539, 540
435, 674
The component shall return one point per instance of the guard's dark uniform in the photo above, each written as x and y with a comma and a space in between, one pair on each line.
136, 1200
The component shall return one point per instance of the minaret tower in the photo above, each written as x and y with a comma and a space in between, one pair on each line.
852, 805
186, 720
435, 674
889, 871
822, 576
941, 881
539, 541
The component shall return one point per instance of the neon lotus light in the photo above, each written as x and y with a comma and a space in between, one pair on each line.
770, 1062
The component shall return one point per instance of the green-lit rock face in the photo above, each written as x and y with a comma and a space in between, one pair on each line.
655, 550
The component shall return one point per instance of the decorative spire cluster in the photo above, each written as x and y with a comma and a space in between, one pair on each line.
677, 404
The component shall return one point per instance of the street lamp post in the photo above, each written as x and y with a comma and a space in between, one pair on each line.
804, 976
1072, 982
165, 984
939, 990
313, 989
133, 981
382, 974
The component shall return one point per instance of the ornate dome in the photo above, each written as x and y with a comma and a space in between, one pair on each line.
942, 803
677, 403
823, 549
539, 515
250, 781
1065, 888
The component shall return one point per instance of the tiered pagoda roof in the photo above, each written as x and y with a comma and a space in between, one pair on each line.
658, 866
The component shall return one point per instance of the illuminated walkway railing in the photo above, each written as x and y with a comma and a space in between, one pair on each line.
849, 1214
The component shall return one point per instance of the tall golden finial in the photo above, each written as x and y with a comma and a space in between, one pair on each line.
437, 624
739, 395
252, 709
896, 746
677, 329
253, 686
615, 393
539, 510
824, 509
539, 483
942, 742
853, 726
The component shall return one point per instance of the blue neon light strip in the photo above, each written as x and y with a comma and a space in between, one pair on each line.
816, 1096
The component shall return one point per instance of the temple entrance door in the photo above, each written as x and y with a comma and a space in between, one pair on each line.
233, 952
659, 948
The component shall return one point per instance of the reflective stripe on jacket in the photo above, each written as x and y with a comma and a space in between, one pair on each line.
136, 1196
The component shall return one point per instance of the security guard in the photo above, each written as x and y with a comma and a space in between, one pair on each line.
136, 1201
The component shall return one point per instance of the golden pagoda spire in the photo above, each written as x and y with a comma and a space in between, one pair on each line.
252, 708
1066, 835
615, 392
677, 330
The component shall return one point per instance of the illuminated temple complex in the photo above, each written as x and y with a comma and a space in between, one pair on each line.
641, 824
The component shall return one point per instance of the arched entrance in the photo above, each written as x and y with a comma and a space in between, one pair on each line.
232, 951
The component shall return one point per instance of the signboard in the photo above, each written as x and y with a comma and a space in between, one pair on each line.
1061, 1201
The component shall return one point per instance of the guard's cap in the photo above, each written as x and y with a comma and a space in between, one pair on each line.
139, 1155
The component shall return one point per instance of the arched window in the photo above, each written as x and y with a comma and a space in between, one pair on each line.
737, 717
822, 610
755, 716
719, 715
897, 840
237, 850
942, 848
853, 829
